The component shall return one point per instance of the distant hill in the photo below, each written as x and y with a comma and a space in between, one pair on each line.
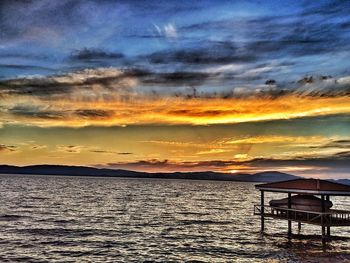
270, 176
342, 181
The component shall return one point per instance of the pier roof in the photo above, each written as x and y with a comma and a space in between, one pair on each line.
307, 186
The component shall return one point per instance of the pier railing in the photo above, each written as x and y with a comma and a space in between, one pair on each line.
330, 218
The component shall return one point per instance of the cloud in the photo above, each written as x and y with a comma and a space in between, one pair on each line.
327, 8
109, 152
94, 54
89, 82
319, 166
338, 144
9, 148
213, 151
212, 53
69, 148
177, 78
94, 114
170, 31
24, 67
38, 147
312, 31
156, 165
32, 111
111, 96
277, 139
42, 18
336, 165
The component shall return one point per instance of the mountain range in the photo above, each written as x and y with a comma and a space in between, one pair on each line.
65, 170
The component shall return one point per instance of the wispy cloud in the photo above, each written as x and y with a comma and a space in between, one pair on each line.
109, 152
38, 147
168, 31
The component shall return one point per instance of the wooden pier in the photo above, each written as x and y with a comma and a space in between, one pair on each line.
326, 218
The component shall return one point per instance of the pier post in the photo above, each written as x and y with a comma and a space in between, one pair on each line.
322, 221
328, 227
299, 227
289, 215
262, 211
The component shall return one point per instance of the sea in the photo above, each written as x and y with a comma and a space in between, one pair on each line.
96, 219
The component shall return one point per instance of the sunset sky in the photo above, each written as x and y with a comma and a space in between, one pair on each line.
228, 86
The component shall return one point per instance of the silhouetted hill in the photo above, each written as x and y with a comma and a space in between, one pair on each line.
65, 170
342, 181
270, 176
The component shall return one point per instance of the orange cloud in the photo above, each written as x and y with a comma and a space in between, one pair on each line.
111, 97
310, 140
197, 111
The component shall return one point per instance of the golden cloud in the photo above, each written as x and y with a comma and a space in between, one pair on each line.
111, 97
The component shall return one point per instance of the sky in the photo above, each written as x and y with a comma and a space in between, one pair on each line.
164, 86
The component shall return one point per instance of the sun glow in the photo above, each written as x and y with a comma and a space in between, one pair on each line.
199, 111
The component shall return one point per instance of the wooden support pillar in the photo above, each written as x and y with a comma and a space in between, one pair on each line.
328, 227
323, 235
322, 221
289, 215
299, 227
262, 211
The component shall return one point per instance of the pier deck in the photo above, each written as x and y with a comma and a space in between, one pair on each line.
332, 217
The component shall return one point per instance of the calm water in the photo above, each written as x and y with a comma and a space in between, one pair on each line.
87, 219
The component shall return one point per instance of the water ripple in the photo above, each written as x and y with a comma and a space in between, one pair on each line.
86, 219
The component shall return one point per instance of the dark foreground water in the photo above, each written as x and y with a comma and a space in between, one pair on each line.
89, 219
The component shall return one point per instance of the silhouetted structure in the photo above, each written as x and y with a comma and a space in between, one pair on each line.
306, 189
